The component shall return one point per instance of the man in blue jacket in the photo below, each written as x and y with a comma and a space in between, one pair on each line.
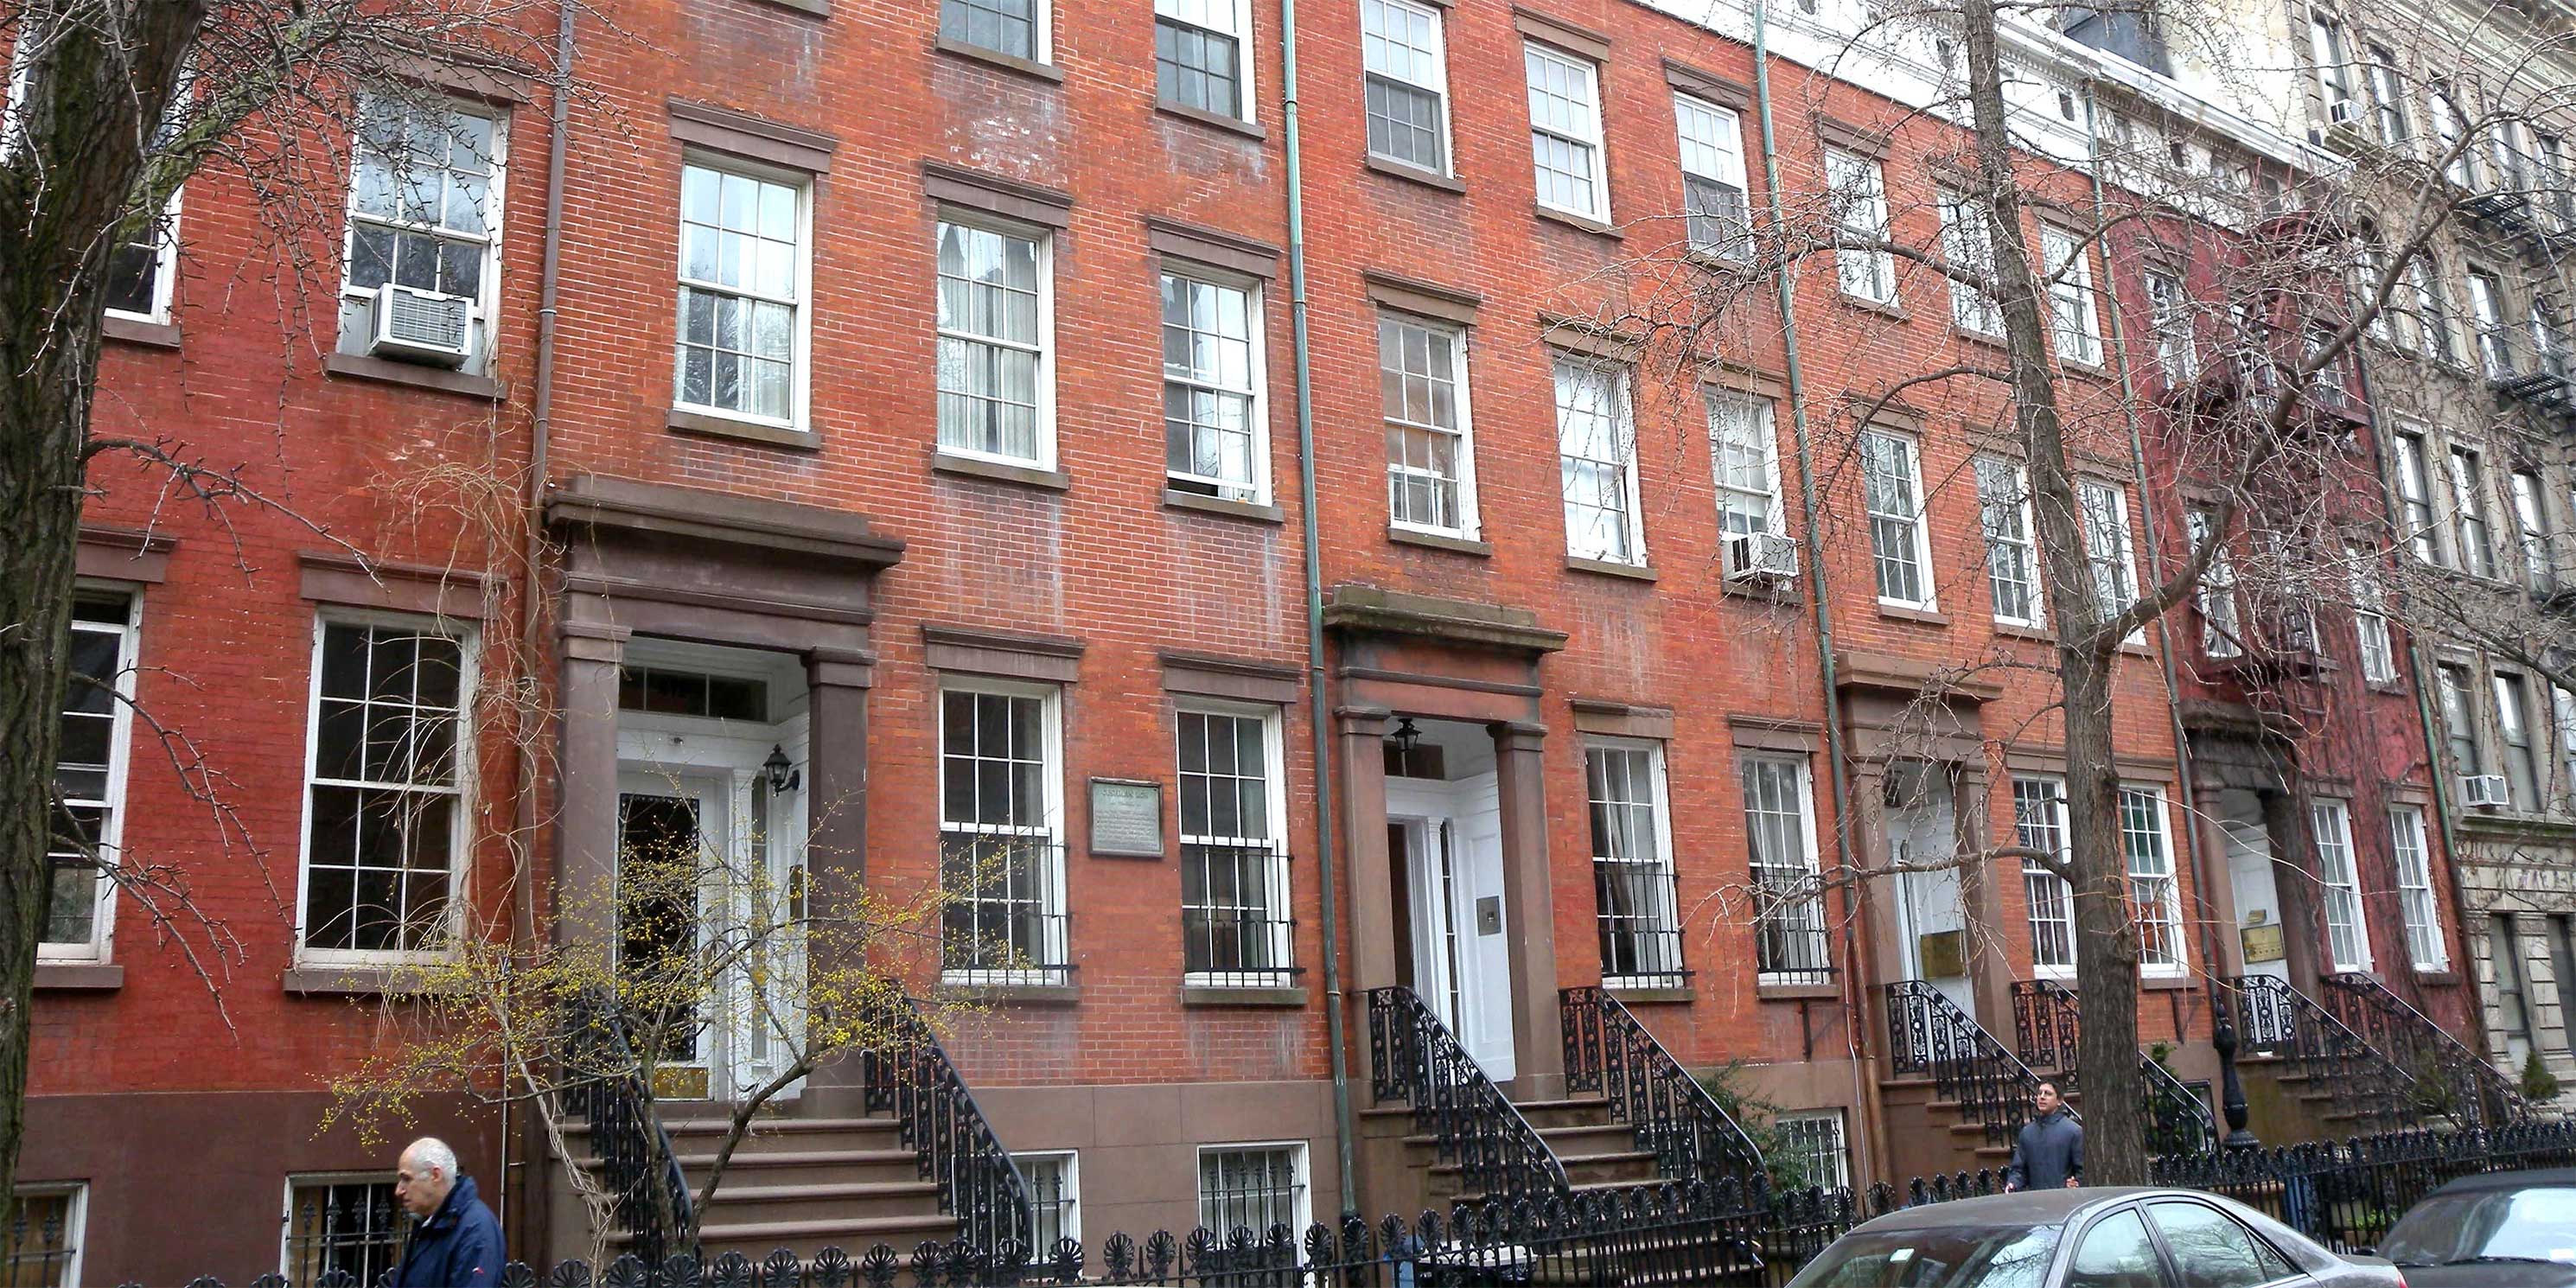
455, 1242
2049, 1153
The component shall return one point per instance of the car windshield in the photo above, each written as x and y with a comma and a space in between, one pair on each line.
2522, 1225
1968, 1256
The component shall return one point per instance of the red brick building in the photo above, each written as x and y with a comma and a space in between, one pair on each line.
850, 457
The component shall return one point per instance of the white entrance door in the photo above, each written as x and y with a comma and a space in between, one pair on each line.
1931, 902
1452, 834
2251, 878
735, 1025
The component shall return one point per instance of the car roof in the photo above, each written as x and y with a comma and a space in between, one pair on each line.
2027, 1207
2531, 1179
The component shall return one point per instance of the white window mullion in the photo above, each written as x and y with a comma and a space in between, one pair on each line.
1790, 944
2155, 895
1407, 83
740, 350
2347, 933
2408, 844
1235, 918
2012, 544
1597, 463
1001, 838
2039, 822
1900, 537
1216, 443
1431, 474
1565, 132
1714, 202
95, 726
1632, 864
385, 824
996, 375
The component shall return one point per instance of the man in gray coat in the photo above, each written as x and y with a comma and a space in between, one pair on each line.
2049, 1153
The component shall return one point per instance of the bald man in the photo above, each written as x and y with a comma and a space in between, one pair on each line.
455, 1242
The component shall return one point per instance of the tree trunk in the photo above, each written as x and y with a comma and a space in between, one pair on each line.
2106, 948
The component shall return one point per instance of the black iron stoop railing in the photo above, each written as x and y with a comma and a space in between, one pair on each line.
2276, 1020
909, 1075
1609, 1052
2448, 1077
2047, 1021
1929, 1035
633, 1151
1414, 1058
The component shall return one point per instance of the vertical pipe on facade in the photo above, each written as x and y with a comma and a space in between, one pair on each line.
2192, 849
1784, 286
1317, 728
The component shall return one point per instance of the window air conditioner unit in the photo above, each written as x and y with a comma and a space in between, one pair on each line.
2484, 791
1761, 557
422, 326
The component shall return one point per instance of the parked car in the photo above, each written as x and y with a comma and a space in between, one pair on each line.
2498, 1230
2086, 1238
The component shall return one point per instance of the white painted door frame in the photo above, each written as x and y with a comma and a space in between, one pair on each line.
1462, 822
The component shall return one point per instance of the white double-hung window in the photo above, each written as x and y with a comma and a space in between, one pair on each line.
2039, 824
1565, 132
2073, 320
1234, 856
2107, 548
996, 383
1597, 463
89, 779
2222, 626
1858, 190
742, 286
1407, 86
1198, 56
424, 215
1717, 215
384, 819
1791, 945
1430, 458
1632, 863
2347, 936
1743, 442
1968, 246
1214, 444
2370, 617
2408, 844
1900, 540
2012, 545
2155, 898
1001, 851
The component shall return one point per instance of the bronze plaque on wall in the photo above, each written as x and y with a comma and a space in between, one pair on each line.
1944, 953
1126, 818
2262, 944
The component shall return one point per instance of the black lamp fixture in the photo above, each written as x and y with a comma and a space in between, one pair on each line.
1405, 737
782, 776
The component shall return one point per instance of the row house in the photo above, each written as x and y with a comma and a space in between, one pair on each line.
1660, 675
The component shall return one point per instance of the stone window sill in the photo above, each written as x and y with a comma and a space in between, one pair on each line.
1583, 222
359, 981
1014, 994
1197, 995
2016, 631
1251, 510
1024, 475
150, 335
712, 426
1435, 541
358, 366
1826, 992
1607, 568
1049, 73
818, 8
1227, 123
2443, 976
1414, 174
1884, 308
1778, 590
1926, 616
1650, 994
2166, 983
79, 976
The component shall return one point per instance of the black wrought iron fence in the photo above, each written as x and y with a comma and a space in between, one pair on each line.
907, 1073
2345, 1194
1414, 1058
633, 1153
1929, 1035
1609, 1052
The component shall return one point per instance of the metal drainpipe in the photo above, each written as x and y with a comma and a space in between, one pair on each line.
1855, 994
2155, 555
1317, 729
523, 928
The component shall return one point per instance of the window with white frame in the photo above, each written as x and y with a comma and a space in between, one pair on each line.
1055, 1200
2107, 549
1632, 863
384, 828
996, 382
1565, 131
143, 265
1967, 243
2460, 733
1214, 439
341, 1224
2408, 843
2449, 127
2563, 704
2548, 353
1744, 448
1790, 945
2012, 548
1013, 27
2153, 894
1198, 56
2469, 529
2423, 532
2073, 319
89, 778
2508, 167
2370, 618
1716, 212
1252, 1187
41, 1246
1430, 459
2522, 751
1001, 856
2557, 196
1858, 191
2333, 56
2487, 314
1234, 859
2177, 347
2039, 824
1900, 541
742, 286
2432, 312
424, 213
2531, 523
2388, 99
1407, 87
1812, 1149
2222, 625
1597, 462
2347, 936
